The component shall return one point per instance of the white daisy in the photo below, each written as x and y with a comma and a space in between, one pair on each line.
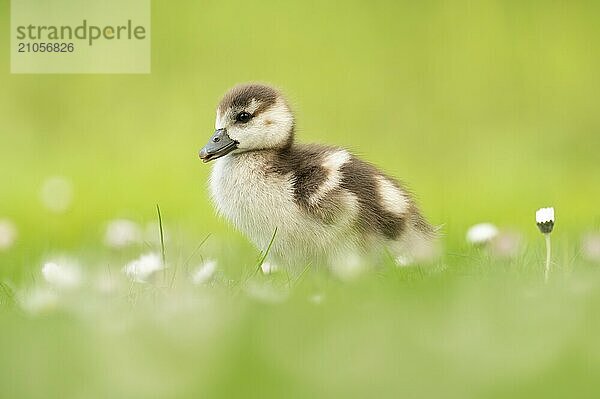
62, 274
204, 272
8, 234
142, 268
544, 218
269, 268
481, 233
122, 233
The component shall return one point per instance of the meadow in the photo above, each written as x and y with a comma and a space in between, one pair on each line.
487, 110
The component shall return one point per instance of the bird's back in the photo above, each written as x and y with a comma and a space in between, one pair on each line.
327, 181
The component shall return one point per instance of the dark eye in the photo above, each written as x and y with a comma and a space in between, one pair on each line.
243, 117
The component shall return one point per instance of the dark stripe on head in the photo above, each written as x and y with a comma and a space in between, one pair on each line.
241, 96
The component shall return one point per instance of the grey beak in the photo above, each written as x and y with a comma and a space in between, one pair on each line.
220, 144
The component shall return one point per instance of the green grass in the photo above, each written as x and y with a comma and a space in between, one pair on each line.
470, 325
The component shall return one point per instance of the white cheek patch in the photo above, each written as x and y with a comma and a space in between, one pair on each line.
392, 199
269, 129
333, 163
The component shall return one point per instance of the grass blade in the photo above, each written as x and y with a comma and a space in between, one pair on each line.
264, 256
162, 241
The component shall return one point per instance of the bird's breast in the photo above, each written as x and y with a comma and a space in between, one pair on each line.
257, 201
253, 199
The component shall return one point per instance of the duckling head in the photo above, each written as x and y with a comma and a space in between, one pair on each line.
250, 117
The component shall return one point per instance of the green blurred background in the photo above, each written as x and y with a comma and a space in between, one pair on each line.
487, 109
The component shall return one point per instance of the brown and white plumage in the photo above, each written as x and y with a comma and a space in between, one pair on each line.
324, 202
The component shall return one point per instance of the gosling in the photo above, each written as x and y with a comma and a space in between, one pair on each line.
321, 204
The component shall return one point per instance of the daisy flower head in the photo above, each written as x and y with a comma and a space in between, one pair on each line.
544, 218
204, 273
141, 269
62, 274
269, 267
481, 233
